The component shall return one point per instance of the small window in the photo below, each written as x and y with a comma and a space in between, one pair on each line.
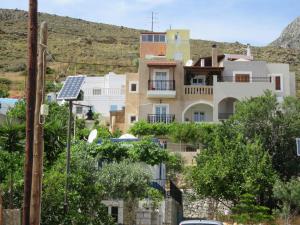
144, 38
162, 38
114, 213
277, 83
79, 110
133, 87
96, 91
150, 38
242, 78
156, 38
132, 119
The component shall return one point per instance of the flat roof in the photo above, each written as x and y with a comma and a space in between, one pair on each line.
149, 32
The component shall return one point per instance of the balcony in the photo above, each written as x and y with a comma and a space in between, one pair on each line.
161, 118
198, 90
161, 89
246, 79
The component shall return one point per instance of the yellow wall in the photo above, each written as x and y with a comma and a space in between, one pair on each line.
182, 45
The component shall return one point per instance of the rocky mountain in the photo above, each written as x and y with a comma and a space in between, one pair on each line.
290, 36
78, 46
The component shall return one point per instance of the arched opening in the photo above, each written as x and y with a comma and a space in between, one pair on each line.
226, 108
198, 112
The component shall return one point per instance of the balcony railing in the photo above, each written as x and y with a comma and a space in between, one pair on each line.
161, 85
161, 118
245, 79
224, 116
198, 90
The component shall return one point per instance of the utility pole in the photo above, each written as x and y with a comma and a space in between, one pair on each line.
30, 106
38, 150
152, 21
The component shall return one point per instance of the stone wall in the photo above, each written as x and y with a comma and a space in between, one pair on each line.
193, 207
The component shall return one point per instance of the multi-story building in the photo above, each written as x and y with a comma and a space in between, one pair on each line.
168, 87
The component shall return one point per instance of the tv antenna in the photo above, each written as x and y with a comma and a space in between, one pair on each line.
154, 20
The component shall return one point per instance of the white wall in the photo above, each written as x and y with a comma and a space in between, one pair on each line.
112, 93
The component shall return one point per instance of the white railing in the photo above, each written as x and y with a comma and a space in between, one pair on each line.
198, 90
105, 92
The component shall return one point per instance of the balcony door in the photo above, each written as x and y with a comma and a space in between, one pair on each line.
161, 80
160, 112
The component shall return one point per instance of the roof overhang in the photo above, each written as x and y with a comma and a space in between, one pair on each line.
161, 64
206, 68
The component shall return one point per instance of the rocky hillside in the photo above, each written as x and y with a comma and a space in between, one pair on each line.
78, 46
290, 37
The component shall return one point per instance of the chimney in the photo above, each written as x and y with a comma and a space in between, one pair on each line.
214, 56
249, 51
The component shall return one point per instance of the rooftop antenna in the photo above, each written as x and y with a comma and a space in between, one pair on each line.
154, 19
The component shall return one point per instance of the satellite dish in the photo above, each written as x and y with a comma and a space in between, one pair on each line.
189, 63
92, 136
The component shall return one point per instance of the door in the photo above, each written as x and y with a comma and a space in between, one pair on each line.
161, 82
199, 116
161, 113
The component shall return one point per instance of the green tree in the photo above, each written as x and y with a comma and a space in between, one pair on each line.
276, 125
85, 193
148, 151
11, 151
55, 128
289, 196
249, 212
231, 167
126, 180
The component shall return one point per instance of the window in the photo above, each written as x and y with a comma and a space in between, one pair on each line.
96, 91
132, 119
153, 38
79, 110
242, 78
114, 213
162, 38
278, 83
198, 80
133, 86
147, 37
199, 116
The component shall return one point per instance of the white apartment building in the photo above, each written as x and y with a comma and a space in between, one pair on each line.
104, 94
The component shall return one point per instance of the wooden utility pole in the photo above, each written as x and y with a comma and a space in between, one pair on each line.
38, 150
30, 106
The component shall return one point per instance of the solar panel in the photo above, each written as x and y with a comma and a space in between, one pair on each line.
71, 88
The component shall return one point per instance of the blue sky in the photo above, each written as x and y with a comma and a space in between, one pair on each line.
257, 22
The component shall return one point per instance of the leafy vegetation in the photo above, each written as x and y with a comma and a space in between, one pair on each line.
84, 196
289, 195
248, 212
